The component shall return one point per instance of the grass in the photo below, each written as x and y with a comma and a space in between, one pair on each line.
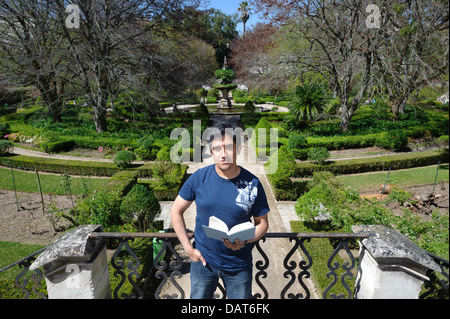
401, 178
51, 184
320, 250
11, 252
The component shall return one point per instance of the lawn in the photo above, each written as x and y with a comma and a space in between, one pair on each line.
401, 178
50, 183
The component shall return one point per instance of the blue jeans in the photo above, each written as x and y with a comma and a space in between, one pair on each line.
204, 280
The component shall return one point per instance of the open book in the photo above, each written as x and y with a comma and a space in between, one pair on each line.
217, 229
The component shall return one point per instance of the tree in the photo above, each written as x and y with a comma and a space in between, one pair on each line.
253, 60
33, 50
309, 101
335, 44
212, 26
101, 48
245, 15
415, 49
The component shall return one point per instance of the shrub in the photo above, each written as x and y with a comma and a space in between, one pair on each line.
5, 147
309, 102
202, 111
4, 130
395, 140
59, 146
102, 206
286, 168
249, 107
139, 207
146, 149
262, 124
225, 75
297, 141
318, 154
168, 173
123, 159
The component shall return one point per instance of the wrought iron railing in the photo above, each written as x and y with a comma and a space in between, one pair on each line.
168, 272
136, 279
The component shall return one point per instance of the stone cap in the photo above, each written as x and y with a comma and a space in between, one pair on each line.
72, 247
389, 247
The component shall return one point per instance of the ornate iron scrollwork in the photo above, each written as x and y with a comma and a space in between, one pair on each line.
174, 265
343, 244
290, 266
132, 265
36, 277
261, 265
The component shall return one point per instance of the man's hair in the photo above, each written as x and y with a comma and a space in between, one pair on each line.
221, 131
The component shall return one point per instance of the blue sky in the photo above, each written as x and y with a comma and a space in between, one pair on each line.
230, 7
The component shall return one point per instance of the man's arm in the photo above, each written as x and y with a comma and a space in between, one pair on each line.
178, 208
262, 225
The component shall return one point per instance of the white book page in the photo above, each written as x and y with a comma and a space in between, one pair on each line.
218, 224
241, 227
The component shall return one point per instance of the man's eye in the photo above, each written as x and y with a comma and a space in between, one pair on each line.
229, 147
217, 148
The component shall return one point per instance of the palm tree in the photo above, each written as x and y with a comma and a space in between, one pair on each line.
245, 9
309, 101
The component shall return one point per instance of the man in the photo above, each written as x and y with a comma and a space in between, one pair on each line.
234, 195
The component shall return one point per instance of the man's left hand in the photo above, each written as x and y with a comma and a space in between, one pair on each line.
237, 245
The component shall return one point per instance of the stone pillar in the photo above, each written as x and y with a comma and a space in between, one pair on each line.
75, 266
391, 266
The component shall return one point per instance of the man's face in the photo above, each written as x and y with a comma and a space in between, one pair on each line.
224, 152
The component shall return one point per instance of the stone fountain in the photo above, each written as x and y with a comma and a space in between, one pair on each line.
225, 86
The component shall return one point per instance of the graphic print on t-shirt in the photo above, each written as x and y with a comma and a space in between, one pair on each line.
247, 193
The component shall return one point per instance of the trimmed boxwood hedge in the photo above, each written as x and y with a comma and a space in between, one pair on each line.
374, 164
73, 167
285, 188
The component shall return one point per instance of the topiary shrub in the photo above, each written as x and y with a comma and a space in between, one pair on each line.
139, 207
123, 159
146, 149
395, 140
59, 146
5, 147
319, 155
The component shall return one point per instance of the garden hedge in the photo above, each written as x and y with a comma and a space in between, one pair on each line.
287, 188
72, 167
374, 164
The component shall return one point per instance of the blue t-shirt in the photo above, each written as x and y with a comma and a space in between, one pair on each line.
234, 201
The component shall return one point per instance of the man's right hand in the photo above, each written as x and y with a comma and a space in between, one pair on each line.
196, 255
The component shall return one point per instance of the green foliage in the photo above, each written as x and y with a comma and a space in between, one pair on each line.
262, 129
168, 173
5, 147
59, 146
146, 149
226, 76
382, 163
249, 108
286, 168
309, 101
395, 140
297, 141
202, 111
103, 205
319, 155
4, 130
346, 208
139, 207
123, 159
